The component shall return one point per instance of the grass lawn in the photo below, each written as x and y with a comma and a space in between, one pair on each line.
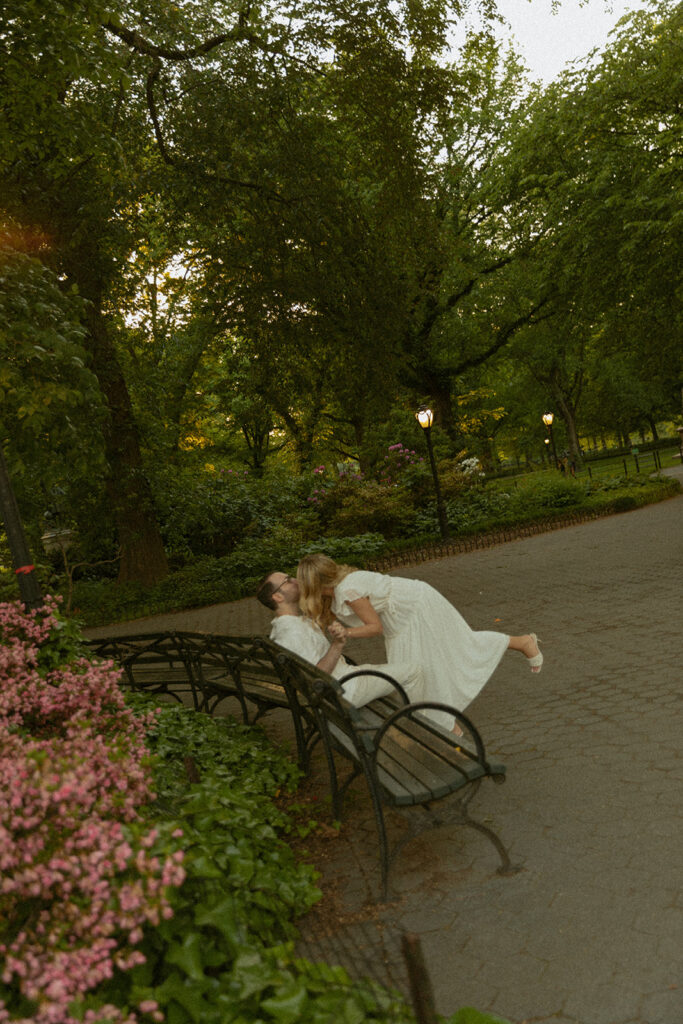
616, 465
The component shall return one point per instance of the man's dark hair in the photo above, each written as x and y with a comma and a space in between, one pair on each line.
265, 591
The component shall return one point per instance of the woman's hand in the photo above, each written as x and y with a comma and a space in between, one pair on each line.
337, 632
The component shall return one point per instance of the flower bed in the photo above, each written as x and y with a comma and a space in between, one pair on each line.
145, 872
81, 874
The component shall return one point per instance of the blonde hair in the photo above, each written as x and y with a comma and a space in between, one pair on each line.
313, 573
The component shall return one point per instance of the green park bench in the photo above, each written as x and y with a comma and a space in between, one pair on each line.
203, 670
407, 761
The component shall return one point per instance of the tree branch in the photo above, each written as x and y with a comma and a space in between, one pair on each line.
138, 42
152, 107
501, 339
174, 161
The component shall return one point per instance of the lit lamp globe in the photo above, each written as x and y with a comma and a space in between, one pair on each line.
425, 417
548, 418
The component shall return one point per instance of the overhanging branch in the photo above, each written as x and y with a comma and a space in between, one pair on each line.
503, 338
137, 42
174, 161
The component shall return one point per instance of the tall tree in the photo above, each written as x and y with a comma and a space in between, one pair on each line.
66, 136
593, 165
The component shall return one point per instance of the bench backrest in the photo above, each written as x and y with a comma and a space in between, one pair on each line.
241, 666
155, 663
339, 722
209, 666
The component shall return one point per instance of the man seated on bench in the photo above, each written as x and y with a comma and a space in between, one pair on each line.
280, 593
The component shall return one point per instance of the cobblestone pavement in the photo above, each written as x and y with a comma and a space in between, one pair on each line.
591, 930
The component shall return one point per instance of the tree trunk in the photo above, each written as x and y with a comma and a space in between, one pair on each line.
439, 388
489, 457
358, 426
568, 414
143, 559
302, 431
303, 447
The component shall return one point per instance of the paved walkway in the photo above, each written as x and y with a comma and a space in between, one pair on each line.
591, 931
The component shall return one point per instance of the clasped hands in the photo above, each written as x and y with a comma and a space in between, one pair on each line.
337, 633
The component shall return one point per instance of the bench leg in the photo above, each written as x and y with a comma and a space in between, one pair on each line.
506, 866
458, 816
383, 844
335, 793
303, 740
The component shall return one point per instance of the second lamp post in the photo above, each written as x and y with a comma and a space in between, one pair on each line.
548, 418
425, 417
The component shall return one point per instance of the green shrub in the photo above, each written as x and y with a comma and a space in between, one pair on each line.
103, 601
329, 490
228, 951
366, 531
622, 494
372, 507
211, 511
457, 476
546, 493
203, 581
478, 510
624, 503
405, 467
358, 550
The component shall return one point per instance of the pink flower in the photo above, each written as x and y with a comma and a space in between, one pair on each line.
77, 872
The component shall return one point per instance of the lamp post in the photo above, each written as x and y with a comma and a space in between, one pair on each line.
24, 570
425, 417
548, 418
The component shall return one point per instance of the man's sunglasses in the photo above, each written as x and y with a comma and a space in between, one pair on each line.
287, 579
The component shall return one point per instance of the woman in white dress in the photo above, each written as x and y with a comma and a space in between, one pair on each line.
417, 623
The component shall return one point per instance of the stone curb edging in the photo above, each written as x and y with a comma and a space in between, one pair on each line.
479, 541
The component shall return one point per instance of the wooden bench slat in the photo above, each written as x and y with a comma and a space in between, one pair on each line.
426, 732
412, 777
406, 787
444, 747
257, 688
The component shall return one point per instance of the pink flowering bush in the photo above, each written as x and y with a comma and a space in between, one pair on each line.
349, 503
395, 464
80, 875
334, 478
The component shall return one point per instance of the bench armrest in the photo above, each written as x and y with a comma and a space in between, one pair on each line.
380, 675
409, 711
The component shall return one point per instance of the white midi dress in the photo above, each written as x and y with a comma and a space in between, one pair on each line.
421, 626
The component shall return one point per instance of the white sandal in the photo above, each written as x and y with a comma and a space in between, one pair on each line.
537, 660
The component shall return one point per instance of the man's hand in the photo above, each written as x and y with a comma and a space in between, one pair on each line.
337, 633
